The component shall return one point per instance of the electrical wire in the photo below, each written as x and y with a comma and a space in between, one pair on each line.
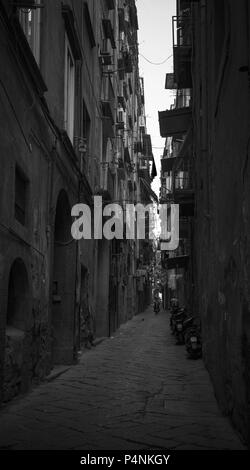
156, 63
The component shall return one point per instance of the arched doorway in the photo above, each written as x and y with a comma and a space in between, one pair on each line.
63, 289
17, 359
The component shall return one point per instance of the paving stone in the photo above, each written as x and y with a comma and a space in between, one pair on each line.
132, 392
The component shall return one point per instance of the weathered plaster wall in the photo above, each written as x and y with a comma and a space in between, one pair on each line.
222, 209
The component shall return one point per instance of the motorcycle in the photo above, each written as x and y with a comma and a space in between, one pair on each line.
175, 309
178, 325
193, 340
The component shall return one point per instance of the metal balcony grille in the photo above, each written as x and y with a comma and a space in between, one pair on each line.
182, 31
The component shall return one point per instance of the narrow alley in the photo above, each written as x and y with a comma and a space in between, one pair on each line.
135, 390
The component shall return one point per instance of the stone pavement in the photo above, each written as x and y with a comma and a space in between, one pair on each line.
136, 391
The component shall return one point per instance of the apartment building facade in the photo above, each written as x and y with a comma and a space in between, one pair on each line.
213, 59
70, 109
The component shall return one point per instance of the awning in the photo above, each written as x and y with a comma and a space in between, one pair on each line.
148, 189
175, 121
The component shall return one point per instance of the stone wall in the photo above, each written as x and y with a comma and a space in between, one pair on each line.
222, 122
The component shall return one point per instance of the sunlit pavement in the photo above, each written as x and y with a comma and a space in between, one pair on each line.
136, 390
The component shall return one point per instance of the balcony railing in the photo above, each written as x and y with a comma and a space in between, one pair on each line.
182, 183
179, 188
182, 31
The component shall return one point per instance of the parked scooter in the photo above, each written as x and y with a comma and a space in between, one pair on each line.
174, 309
193, 339
178, 325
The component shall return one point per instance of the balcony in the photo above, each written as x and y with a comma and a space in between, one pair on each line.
178, 258
182, 44
105, 58
175, 122
168, 164
183, 187
177, 178
186, 4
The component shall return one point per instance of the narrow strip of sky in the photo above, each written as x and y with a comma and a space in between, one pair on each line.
155, 43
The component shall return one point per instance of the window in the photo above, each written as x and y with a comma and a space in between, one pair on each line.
69, 91
20, 196
30, 20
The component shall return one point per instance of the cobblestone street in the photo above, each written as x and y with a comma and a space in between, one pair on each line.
136, 390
